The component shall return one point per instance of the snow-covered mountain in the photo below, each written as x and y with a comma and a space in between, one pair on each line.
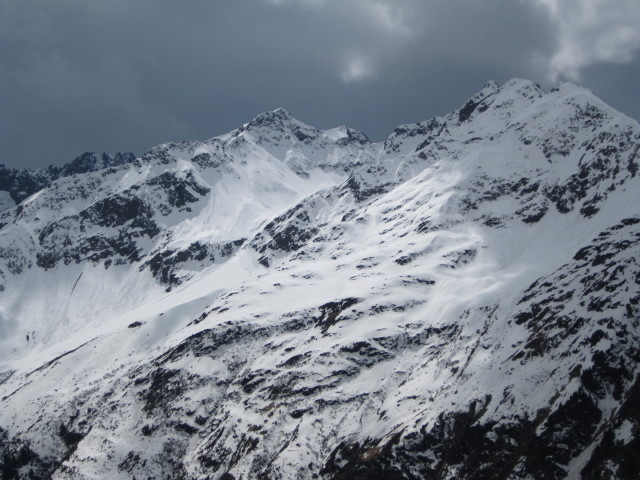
281, 302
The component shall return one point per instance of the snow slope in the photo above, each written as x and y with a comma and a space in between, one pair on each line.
459, 301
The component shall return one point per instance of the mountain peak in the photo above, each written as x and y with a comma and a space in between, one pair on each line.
519, 84
278, 127
513, 89
271, 118
344, 135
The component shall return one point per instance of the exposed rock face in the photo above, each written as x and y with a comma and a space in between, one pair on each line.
459, 301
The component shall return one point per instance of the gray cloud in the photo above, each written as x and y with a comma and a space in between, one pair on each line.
592, 32
122, 75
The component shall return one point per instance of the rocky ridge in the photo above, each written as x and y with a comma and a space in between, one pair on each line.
21, 184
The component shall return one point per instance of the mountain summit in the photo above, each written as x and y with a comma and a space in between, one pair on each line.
461, 300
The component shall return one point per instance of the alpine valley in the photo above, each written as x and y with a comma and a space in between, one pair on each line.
459, 301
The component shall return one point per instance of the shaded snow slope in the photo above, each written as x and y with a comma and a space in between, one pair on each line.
459, 301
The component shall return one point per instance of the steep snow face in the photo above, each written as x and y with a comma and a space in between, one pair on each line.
180, 208
459, 301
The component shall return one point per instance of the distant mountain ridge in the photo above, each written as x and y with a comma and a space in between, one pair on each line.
461, 300
21, 184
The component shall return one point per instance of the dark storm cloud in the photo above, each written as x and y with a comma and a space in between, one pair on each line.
79, 75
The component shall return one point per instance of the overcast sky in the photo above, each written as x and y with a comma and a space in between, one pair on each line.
125, 75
